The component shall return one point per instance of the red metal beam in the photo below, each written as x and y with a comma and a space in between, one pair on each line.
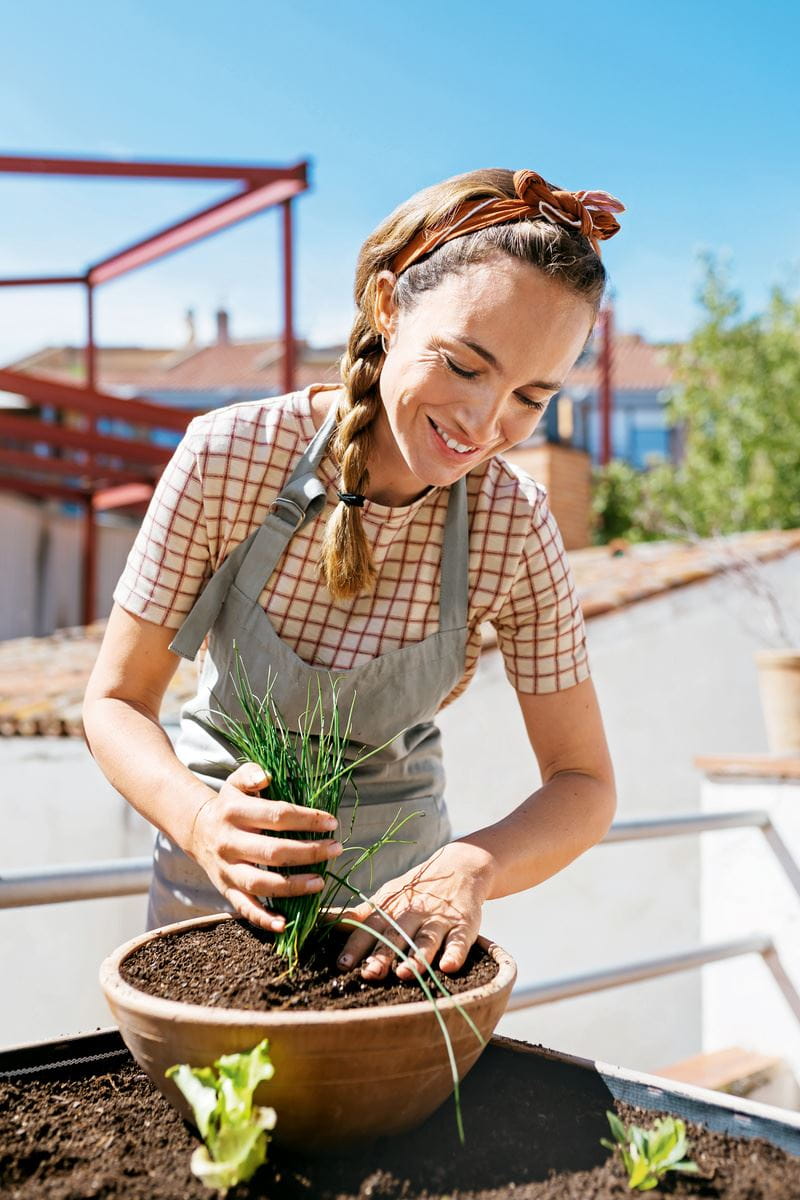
192, 229
42, 281
606, 391
50, 491
288, 300
262, 187
71, 468
89, 572
95, 403
90, 356
16, 164
24, 429
130, 496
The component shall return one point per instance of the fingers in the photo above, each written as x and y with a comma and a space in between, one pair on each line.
278, 852
247, 907
269, 883
273, 814
430, 934
362, 941
249, 882
250, 777
428, 939
276, 815
381, 959
457, 946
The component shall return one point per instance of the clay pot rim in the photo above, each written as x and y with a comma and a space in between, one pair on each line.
122, 992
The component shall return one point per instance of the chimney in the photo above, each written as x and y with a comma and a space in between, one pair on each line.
223, 336
191, 331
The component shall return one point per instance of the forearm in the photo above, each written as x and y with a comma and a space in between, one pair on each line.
556, 824
136, 756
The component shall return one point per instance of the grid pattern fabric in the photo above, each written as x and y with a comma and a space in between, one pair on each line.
217, 489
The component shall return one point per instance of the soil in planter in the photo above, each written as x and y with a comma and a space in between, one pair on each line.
233, 965
114, 1136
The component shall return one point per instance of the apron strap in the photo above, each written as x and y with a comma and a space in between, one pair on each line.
454, 587
203, 614
301, 500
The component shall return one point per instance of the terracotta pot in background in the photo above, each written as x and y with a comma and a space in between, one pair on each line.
341, 1076
779, 684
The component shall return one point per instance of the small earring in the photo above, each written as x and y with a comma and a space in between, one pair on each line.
383, 344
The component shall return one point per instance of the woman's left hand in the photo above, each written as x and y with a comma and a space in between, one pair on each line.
437, 904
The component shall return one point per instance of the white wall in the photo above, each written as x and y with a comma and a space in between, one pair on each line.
675, 678
58, 808
43, 590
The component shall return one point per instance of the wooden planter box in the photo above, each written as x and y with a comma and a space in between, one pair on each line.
548, 1107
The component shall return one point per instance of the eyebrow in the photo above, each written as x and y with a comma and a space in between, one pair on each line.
492, 361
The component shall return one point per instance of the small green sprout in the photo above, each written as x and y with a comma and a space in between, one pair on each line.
235, 1131
649, 1154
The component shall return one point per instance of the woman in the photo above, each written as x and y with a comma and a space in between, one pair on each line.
368, 530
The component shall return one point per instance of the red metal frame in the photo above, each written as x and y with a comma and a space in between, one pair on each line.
130, 465
606, 383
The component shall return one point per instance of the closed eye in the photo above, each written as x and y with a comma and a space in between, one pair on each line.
459, 370
537, 405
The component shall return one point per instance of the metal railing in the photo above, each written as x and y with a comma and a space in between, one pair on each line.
127, 877
26, 886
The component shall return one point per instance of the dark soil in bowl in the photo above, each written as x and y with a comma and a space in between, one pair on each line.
232, 965
113, 1135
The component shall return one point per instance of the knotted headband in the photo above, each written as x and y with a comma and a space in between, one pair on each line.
591, 213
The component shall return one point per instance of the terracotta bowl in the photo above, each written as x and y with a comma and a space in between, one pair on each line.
340, 1077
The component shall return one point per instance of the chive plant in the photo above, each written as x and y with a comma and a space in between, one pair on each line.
311, 770
305, 768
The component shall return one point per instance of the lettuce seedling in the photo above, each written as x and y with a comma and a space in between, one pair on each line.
649, 1154
235, 1131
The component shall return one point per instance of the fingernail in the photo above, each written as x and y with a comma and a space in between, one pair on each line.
330, 823
334, 848
345, 960
315, 885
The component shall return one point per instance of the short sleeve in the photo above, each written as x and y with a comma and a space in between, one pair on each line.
169, 561
540, 627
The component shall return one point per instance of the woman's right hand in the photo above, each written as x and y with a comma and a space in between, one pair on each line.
228, 842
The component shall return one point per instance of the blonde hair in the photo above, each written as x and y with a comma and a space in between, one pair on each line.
560, 252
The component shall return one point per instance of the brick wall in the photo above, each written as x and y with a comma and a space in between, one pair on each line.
567, 475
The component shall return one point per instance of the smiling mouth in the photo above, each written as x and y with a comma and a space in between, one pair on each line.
451, 443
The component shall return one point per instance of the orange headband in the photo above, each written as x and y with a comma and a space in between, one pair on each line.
591, 213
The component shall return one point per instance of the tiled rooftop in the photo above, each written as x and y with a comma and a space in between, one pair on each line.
241, 366
636, 365
42, 679
255, 366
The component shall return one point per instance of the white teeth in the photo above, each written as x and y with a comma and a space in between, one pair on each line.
451, 442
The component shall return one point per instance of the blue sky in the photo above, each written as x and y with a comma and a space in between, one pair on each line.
685, 111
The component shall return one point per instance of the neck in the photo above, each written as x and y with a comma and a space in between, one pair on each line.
390, 481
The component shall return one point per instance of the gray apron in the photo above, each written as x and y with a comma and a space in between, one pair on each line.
397, 693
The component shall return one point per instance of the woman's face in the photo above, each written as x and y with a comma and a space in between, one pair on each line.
449, 404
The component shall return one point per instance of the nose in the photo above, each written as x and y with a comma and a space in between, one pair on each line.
480, 420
